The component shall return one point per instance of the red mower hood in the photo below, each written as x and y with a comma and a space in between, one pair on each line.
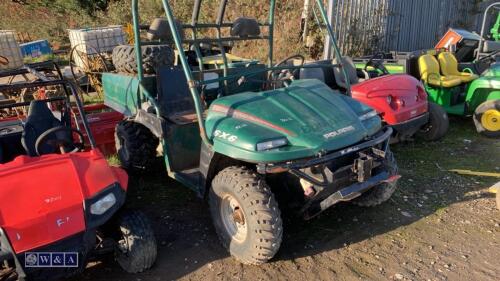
42, 198
397, 97
388, 84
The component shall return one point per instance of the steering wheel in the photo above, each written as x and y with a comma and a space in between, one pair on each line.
4, 60
377, 62
489, 57
286, 73
60, 144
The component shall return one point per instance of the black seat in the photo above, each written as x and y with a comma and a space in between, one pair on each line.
40, 119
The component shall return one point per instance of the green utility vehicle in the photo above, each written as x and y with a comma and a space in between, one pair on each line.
245, 131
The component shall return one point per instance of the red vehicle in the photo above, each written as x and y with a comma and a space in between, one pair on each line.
399, 99
102, 121
60, 201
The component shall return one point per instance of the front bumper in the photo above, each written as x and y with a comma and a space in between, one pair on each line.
410, 127
341, 175
380, 139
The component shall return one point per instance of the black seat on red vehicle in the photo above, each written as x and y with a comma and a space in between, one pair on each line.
39, 120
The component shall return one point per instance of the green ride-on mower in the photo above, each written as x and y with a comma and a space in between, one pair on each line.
463, 93
245, 135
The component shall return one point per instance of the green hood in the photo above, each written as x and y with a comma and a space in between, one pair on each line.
311, 116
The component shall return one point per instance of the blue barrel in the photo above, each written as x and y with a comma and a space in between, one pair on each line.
36, 49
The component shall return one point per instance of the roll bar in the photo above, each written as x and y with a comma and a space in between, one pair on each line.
64, 83
483, 26
195, 26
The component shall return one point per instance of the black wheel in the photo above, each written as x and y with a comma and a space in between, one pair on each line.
245, 215
487, 118
153, 56
135, 145
136, 250
381, 193
438, 124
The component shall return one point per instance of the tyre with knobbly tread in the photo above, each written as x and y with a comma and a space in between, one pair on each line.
382, 192
438, 124
137, 249
153, 56
135, 145
260, 213
489, 105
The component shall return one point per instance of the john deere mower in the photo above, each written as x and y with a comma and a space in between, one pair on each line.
61, 204
463, 93
246, 136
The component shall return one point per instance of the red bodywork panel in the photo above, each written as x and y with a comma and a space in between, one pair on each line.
407, 94
42, 197
102, 121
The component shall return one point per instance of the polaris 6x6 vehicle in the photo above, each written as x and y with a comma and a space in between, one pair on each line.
245, 131
61, 204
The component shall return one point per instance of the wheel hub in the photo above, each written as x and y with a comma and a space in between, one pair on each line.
491, 120
233, 218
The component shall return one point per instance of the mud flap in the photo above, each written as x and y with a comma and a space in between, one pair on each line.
150, 121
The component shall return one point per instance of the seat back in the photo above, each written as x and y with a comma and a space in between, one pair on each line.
350, 70
428, 65
448, 64
39, 120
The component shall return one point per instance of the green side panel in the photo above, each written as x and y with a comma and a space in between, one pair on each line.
482, 89
121, 91
182, 146
311, 116
448, 98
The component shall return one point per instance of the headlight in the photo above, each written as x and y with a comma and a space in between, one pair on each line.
368, 115
103, 204
271, 144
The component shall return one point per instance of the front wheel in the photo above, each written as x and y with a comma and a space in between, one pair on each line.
437, 126
136, 249
245, 215
487, 118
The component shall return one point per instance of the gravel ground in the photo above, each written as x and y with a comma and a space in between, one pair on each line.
437, 226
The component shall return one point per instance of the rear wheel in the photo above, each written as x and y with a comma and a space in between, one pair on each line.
487, 118
136, 250
437, 126
382, 192
245, 215
135, 145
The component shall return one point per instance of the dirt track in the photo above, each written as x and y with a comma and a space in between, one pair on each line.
437, 226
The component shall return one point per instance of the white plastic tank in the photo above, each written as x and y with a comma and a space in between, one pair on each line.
9, 48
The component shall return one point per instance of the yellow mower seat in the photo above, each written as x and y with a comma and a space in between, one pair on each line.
449, 67
429, 73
